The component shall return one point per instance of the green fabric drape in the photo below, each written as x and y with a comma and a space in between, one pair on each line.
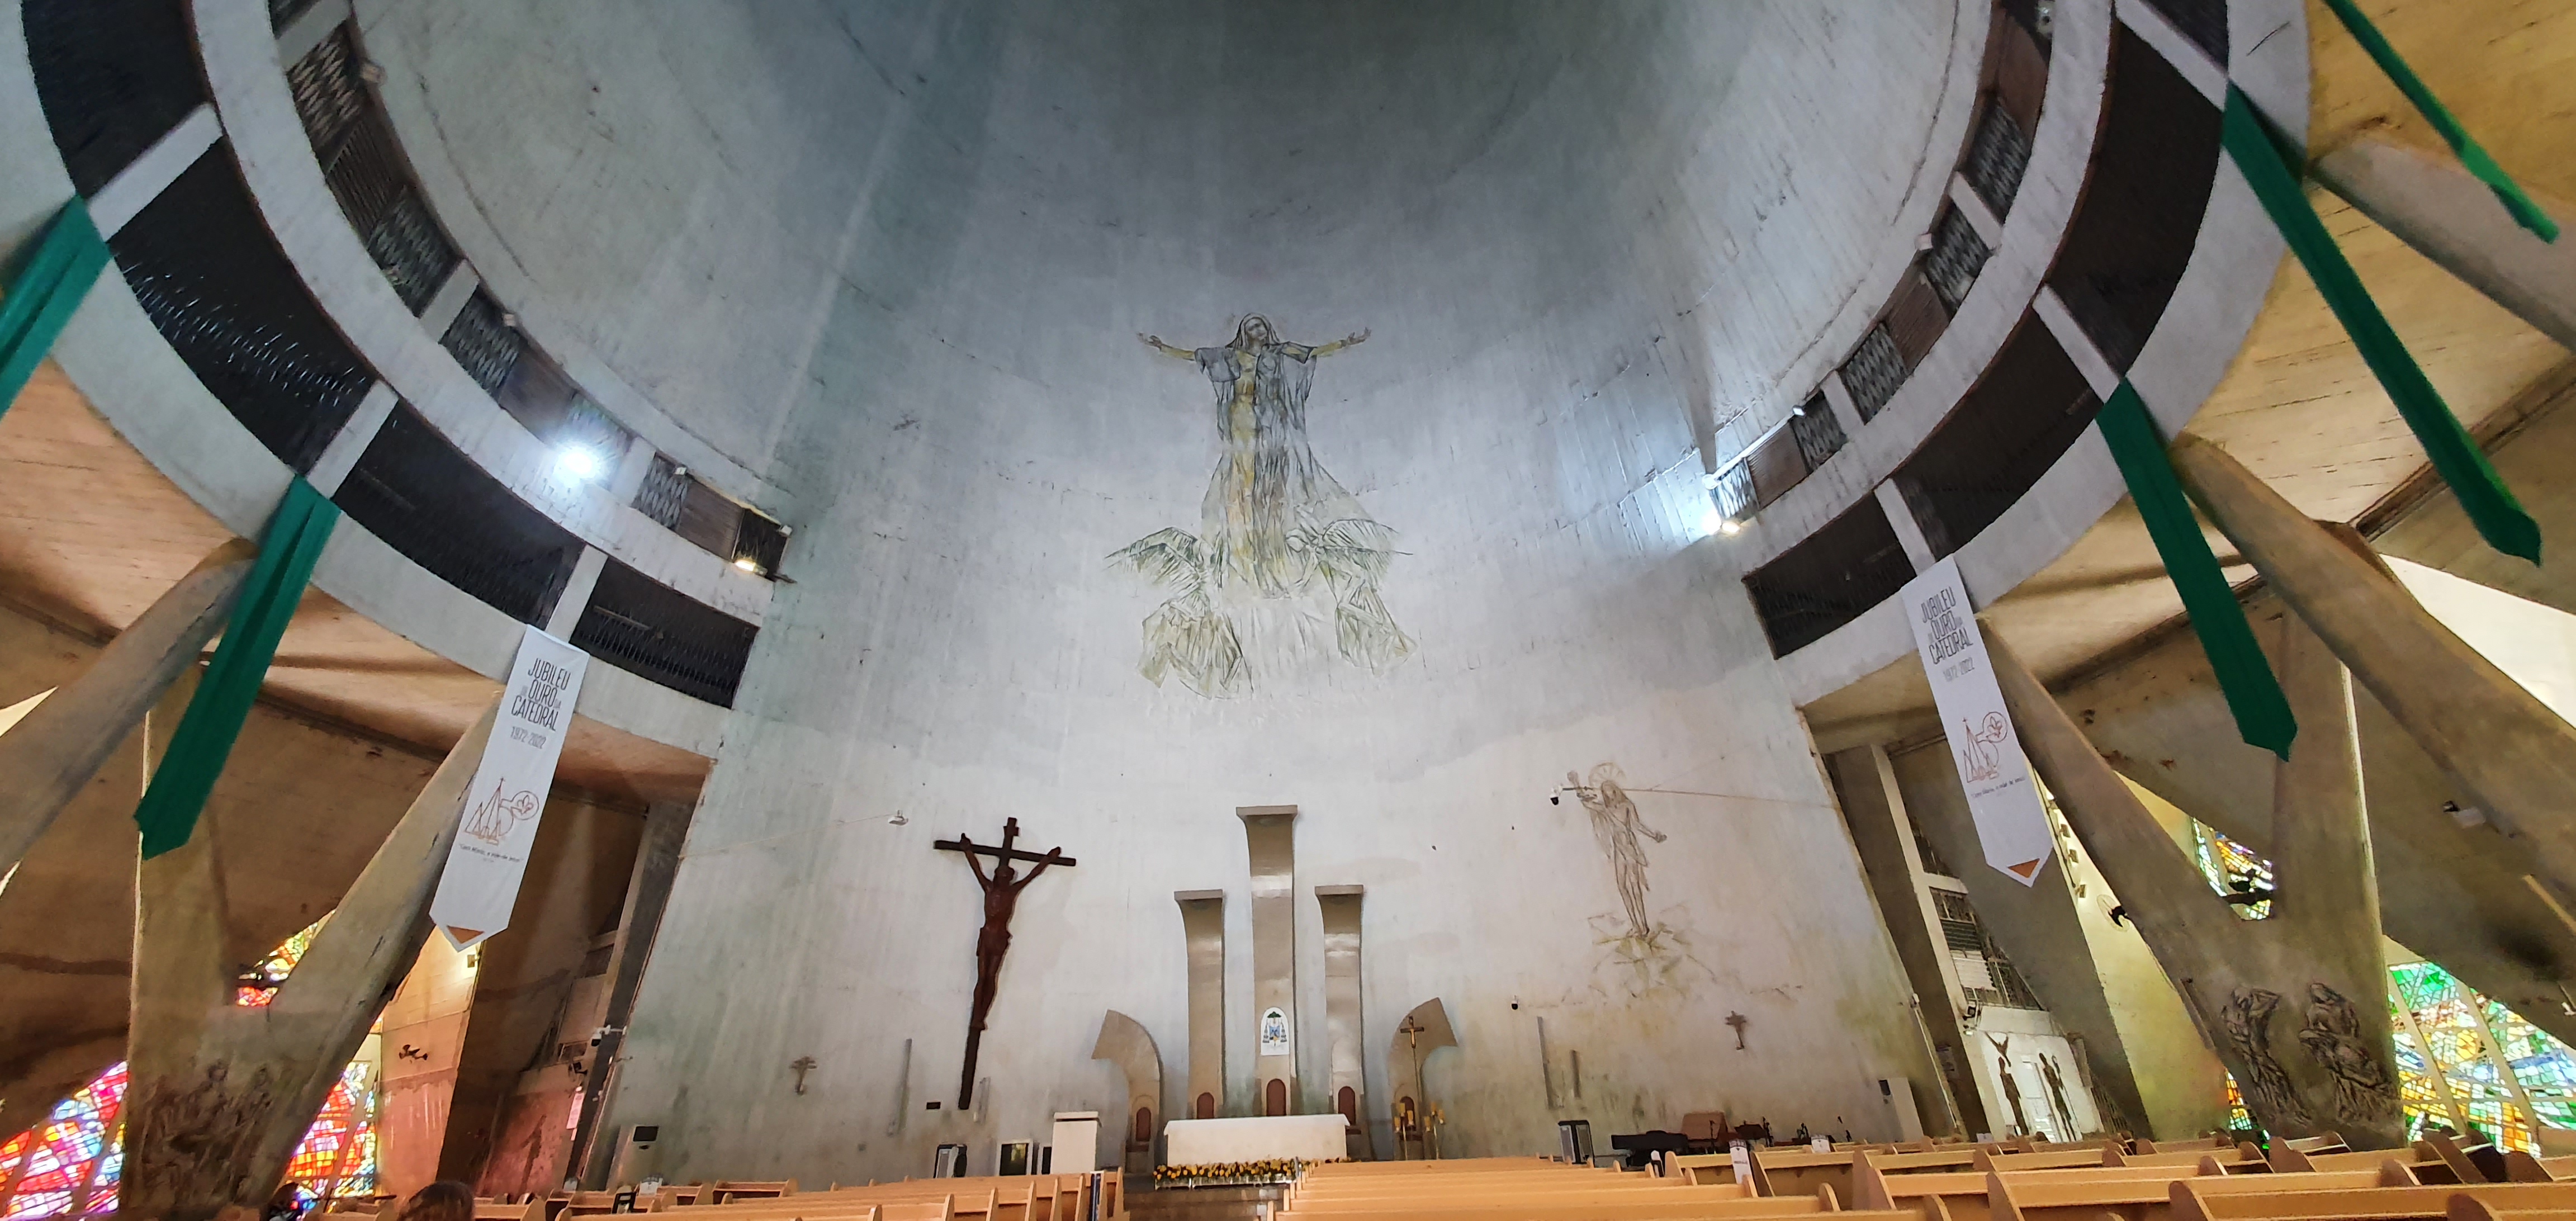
222, 703
45, 288
2499, 517
2472, 156
2263, 716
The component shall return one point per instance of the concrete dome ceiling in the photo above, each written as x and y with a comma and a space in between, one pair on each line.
708, 195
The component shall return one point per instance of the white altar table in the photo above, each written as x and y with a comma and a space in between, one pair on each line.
1203, 1142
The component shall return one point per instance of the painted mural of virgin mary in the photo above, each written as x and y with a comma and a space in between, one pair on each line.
1286, 564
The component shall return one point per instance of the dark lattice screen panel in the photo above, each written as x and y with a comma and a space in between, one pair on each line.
709, 519
329, 97
2134, 231
761, 541
665, 489
365, 168
434, 505
2204, 22
113, 76
2004, 434
1734, 492
1957, 255
655, 632
1818, 433
200, 263
1850, 565
1873, 373
483, 342
1997, 155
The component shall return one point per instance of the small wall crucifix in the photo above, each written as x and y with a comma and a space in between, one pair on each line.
1001, 897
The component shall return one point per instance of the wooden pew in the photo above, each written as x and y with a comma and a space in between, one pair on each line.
1644, 1188
2422, 1162
2242, 1155
2198, 1142
495, 1210
2521, 1167
2062, 1160
1935, 1195
726, 1191
2203, 1200
1794, 1171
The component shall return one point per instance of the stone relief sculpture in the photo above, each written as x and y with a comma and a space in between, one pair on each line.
1650, 954
1285, 567
2249, 1028
2363, 1090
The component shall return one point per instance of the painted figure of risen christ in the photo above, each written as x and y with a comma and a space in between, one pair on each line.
1286, 564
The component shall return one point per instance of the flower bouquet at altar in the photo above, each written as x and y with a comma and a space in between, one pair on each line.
1237, 1174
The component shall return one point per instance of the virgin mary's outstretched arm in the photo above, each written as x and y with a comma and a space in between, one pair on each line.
1355, 337
1156, 342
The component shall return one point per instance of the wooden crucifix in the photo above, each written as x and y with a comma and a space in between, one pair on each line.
1001, 896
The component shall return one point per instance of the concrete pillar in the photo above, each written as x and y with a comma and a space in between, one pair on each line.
2151, 1069
221, 1093
55, 750
1203, 939
2433, 205
648, 893
578, 869
1126, 1043
1347, 1083
2516, 758
2328, 1065
1270, 836
1873, 807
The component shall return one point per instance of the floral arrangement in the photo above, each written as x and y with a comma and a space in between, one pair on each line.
1234, 1174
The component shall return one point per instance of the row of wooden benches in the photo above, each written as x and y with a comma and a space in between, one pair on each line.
1046, 1197
2207, 1184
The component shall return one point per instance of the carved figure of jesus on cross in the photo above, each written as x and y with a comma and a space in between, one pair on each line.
1001, 897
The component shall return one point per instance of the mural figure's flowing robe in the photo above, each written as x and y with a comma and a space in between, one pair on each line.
1286, 563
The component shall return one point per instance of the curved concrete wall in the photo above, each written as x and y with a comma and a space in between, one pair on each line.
1572, 233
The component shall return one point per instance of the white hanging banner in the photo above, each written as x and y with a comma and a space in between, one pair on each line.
503, 804
2001, 798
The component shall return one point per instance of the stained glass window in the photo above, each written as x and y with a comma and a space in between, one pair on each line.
258, 986
2464, 1059
338, 1156
2238, 1118
2233, 869
68, 1166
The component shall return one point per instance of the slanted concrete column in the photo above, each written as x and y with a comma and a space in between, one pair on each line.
2515, 756
221, 1093
648, 894
1874, 809
2327, 1064
2433, 205
55, 750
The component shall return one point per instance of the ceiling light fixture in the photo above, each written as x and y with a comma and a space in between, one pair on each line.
579, 462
